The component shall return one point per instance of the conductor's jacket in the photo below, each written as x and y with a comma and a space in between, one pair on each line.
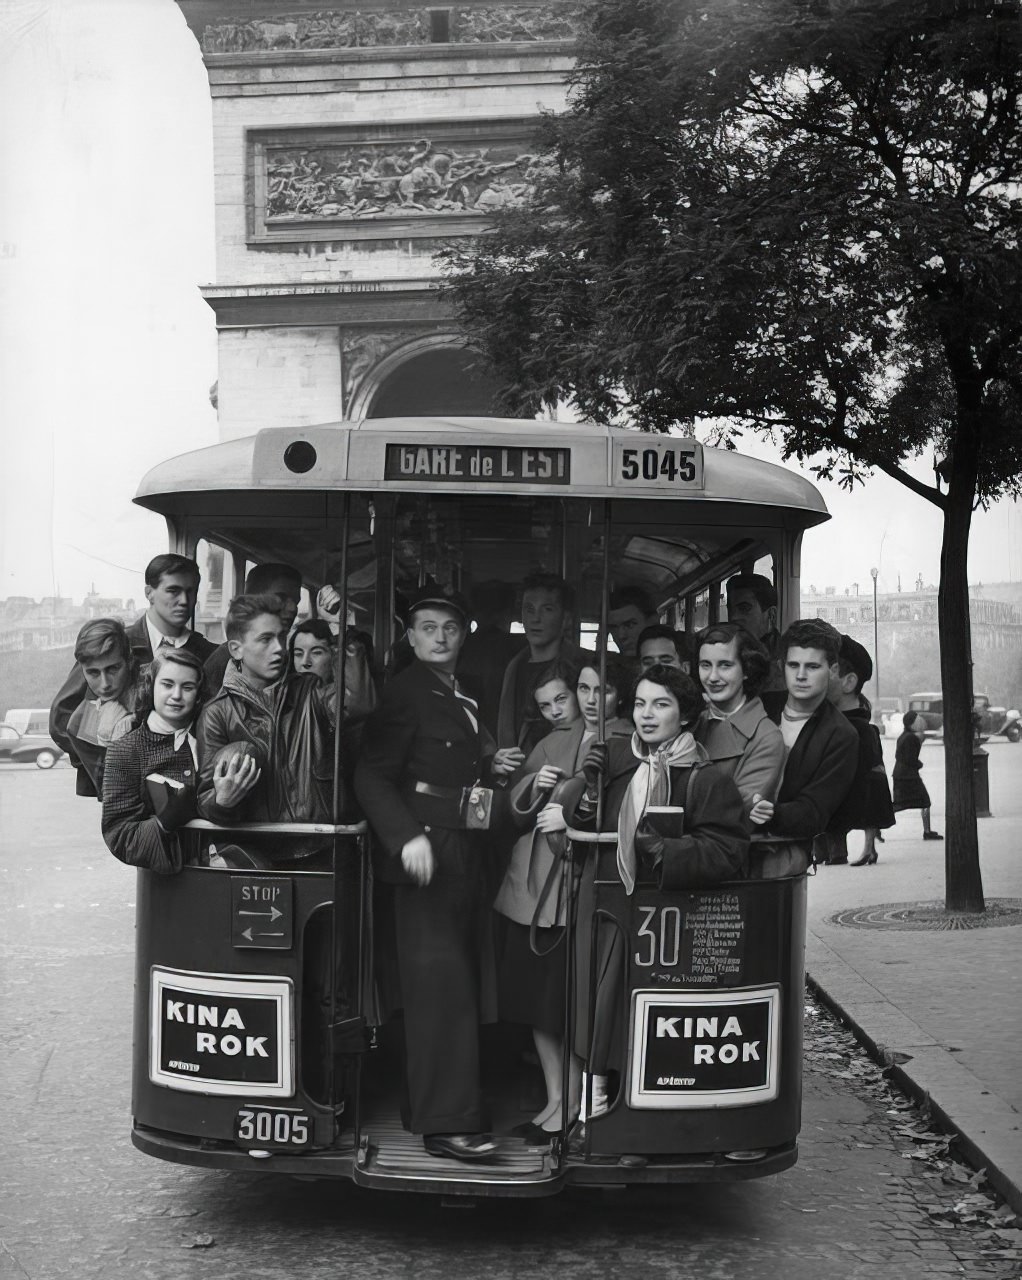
423, 733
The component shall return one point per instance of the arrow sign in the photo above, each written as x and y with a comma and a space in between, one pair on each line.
273, 914
267, 898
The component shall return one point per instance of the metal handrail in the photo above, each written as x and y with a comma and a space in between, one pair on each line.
591, 837
282, 828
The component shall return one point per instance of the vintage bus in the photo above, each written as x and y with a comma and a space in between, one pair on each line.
245, 1049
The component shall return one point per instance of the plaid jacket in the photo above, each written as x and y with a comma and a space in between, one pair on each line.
130, 828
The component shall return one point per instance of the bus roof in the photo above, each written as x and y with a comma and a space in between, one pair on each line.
498, 455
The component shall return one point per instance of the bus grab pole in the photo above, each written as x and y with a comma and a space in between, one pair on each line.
601, 702
601, 730
335, 806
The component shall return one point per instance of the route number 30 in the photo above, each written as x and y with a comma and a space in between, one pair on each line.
659, 937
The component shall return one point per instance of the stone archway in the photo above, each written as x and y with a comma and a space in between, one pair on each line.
423, 379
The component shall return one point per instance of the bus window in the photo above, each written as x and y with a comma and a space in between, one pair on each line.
216, 589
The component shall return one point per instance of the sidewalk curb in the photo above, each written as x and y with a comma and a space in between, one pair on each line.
1008, 1184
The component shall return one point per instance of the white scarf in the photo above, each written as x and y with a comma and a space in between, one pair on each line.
157, 723
650, 785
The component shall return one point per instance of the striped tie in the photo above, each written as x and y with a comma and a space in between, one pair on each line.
470, 706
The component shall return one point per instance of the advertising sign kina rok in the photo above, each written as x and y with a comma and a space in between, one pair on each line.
226, 1035
704, 1048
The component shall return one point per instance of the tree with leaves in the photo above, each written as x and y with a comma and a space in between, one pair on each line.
799, 217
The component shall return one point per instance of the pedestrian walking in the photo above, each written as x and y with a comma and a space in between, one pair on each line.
909, 789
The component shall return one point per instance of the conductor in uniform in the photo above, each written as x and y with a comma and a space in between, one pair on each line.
421, 779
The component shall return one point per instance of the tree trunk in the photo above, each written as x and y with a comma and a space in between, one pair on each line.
963, 885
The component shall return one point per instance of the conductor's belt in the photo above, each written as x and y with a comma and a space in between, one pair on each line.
440, 793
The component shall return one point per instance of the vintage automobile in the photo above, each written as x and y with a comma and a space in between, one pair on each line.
930, 709
996, 721
28, 748
987, 721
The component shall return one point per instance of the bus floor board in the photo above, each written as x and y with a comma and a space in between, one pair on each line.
393, 1151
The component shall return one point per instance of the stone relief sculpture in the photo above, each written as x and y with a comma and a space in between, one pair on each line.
419, 178
512, 23
352, 29
362, 350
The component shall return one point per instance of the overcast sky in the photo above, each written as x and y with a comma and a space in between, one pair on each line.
107, 352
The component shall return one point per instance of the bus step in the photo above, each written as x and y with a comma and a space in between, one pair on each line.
390, 1154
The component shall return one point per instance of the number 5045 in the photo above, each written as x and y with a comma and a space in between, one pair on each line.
675, 463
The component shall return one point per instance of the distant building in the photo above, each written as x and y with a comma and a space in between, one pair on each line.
996, 624
54, 622
906, 636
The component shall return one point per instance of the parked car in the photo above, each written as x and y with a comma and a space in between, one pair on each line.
987, 721
28, 748
930, 709
28, 719
996, 720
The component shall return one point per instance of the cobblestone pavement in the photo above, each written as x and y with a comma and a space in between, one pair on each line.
875, 1192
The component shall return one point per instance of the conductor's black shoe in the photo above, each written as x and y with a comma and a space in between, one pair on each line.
460, 1146
932, 835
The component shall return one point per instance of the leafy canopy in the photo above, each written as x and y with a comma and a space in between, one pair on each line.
800, 216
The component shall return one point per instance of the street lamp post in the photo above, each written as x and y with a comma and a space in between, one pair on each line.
876, 643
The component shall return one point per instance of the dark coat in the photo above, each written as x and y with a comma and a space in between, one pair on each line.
817, 773
439, 951
484, 658
419, 732
714, 847
715, 843
130, 828
90, 756
909, 789
74, 689
291, 724
868, 802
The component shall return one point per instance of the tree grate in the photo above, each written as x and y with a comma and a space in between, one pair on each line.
930, 915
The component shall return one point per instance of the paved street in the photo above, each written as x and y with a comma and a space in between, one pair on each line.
870, 1196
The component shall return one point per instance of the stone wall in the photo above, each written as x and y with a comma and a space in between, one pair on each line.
269, 377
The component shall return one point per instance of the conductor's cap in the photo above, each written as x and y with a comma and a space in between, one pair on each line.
436, 597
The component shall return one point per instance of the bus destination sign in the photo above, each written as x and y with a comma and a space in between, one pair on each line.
484, 464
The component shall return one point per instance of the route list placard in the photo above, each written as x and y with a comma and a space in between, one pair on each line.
713, 940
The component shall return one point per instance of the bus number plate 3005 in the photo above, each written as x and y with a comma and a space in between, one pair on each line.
272, 1128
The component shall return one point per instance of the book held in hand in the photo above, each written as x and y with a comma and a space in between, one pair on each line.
666, 820
164, 793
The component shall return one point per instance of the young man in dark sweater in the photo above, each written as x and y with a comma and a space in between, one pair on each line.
821, 747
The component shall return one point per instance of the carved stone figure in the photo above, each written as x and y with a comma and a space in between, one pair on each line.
332, 29
362, 350
367, 180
